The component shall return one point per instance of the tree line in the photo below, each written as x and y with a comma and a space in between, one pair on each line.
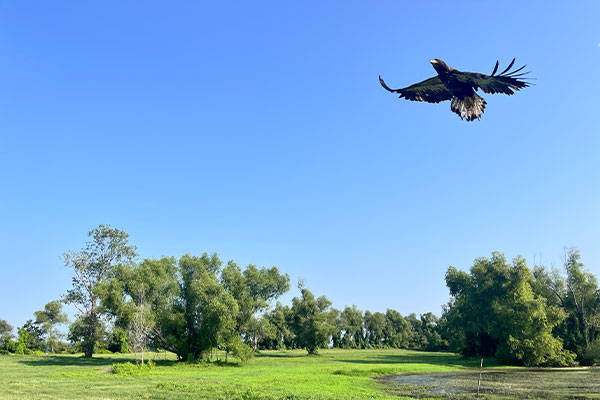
539, 317
195, 304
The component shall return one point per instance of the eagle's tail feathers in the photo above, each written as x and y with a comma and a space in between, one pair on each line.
469, 108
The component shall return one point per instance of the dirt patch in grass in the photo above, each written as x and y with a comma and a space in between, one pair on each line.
499, 384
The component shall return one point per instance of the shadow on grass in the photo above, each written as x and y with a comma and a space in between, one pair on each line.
279, 355
96, 361
38, 361
423, 358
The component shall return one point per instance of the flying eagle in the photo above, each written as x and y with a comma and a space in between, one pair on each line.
460, 87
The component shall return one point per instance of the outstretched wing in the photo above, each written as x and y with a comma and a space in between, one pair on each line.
431, 90
506, 82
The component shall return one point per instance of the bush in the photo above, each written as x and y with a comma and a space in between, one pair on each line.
129, 369
9, 346
591, 356
241, 351
21, 349
117, 342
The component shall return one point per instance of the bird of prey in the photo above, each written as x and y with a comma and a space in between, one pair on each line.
461, 87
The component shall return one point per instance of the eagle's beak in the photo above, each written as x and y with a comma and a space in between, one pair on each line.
434, 61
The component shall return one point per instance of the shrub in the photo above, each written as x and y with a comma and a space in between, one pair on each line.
241, 351
21, 349
117, 342
9, 346
591, 356
129, 369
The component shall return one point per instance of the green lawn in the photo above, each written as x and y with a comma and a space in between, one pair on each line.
334, 374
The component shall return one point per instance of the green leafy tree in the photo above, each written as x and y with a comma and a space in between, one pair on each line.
351, 323
574, 290
397, 332
431, 331
417, 338
425, 332
206, 312
528, 322
118, 341
6, 335
79, 334
493, 311
311, 321
155, 285
187, 310
48, 318
338, 335
253, 289
279, 319
262, 333
155, 282
31, 338
93, 265
591, 356
374, 324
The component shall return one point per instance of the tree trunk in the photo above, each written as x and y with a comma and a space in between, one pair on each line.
479, 381
91, 322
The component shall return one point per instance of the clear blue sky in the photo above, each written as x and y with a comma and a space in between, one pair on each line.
259, 130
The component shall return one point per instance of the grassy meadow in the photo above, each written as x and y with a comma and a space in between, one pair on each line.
334, 374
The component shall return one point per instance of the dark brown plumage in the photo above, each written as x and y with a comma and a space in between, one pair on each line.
461, 87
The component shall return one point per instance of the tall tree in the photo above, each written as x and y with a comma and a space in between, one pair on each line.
311, 321
397, 331
31, 338
140, 325
430, 329
417, 338
6, 333
279, 318
261, 333
153, 285
92, 266
189, 310
375, 327
576, 291
48, 318
351, 322
494, 311
253, 289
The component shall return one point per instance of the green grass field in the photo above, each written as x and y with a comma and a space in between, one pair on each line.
334, 374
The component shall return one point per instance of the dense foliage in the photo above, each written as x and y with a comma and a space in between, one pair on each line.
92, 265
575, 291
495, 312
193, 305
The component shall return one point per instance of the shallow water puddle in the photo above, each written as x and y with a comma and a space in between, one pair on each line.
436, 383
533, 383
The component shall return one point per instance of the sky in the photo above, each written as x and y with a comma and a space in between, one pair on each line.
258, 130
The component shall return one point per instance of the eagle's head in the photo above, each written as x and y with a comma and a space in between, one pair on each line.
440, 66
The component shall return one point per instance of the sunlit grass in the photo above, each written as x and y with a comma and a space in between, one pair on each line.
334, 374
